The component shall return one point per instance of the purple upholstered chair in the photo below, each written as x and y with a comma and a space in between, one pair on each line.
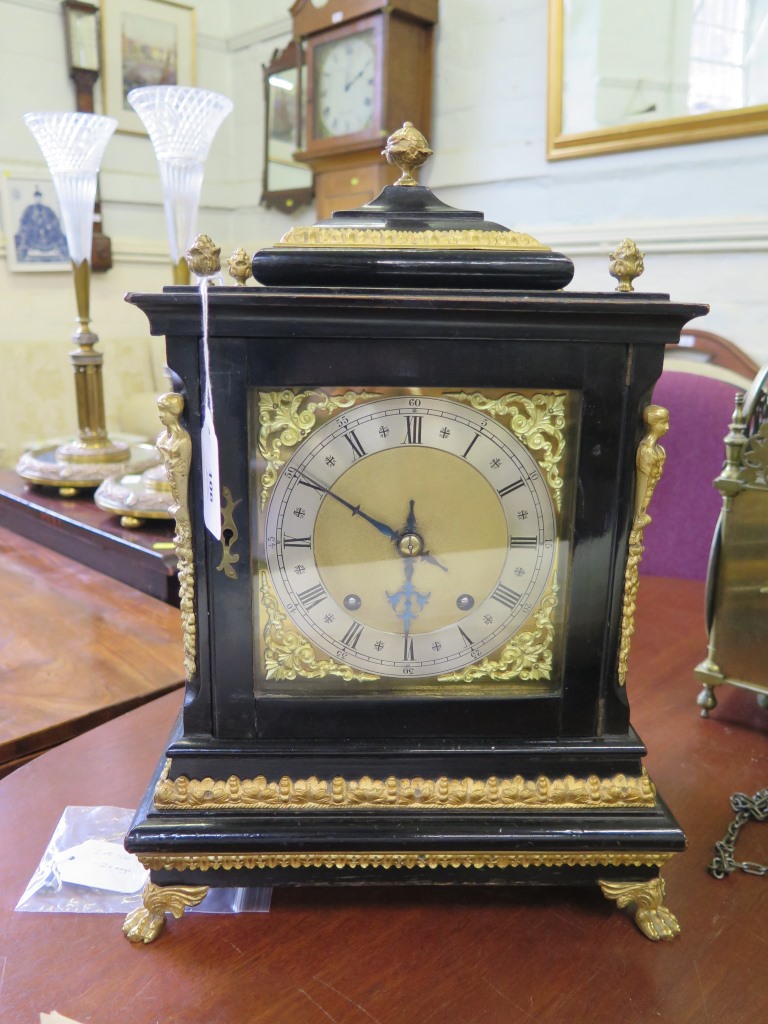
685, 506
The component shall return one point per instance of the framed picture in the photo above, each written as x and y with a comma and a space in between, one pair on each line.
34, 229
144, 42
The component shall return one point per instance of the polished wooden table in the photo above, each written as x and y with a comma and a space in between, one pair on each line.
144, 558
418, 955
76, 648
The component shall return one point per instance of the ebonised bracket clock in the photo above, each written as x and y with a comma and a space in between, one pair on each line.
407, 650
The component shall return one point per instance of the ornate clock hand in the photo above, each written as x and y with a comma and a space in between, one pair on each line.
411, 539
354, 509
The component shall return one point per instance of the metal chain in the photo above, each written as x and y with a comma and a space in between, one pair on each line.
745, 807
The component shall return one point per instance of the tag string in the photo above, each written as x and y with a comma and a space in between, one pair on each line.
208, 395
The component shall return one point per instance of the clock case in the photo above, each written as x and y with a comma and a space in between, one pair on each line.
406, 789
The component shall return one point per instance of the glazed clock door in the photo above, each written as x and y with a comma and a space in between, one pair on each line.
412, 545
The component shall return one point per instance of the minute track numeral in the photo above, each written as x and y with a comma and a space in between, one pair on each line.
312, 596
511, 487
413, 429
506, 596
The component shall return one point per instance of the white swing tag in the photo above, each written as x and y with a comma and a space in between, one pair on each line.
209, 446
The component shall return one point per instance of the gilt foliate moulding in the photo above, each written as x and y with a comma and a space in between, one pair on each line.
650, 463
372, 238
386, 860
516, 793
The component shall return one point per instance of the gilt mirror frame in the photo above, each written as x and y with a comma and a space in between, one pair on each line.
277, 150
618, 138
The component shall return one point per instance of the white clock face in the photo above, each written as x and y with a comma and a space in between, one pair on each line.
410, 536
344, 85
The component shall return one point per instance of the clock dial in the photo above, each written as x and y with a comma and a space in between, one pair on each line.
344, 83
410, 536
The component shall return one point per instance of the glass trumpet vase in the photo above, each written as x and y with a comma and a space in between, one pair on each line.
73, 145
182, 123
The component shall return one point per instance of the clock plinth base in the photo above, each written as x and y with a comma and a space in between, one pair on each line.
218, 830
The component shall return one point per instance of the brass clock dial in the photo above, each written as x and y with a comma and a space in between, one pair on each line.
410, 536
344, 84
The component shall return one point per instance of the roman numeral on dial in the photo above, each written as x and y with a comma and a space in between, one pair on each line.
297, 542
354, 442
464, 637
469, 446
408, 649
413, 430
510, 488
312, 596
352, 635
506, 596
522, 542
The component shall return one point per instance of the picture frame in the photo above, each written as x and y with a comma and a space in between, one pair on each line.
649, 117
143, 42
33, 225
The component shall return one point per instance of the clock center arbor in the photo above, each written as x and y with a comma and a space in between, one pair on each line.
406, 646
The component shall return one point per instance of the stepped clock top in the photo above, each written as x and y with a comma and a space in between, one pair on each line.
407, 237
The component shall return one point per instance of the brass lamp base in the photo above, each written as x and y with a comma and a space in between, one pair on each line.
47, 468
136, 497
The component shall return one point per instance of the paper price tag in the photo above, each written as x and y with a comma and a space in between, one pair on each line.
101, 865
210, 457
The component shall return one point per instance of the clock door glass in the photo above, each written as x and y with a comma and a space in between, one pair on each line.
410, 541
344, 84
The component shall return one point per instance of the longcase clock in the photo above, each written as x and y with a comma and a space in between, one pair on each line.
407, 649
369, 67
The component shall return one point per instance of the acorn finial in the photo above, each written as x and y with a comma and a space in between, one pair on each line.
203, 257
406, 149
239, 264
625, 264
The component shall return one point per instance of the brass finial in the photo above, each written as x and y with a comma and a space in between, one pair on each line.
203, 257
626, 263
239, 264
407, 149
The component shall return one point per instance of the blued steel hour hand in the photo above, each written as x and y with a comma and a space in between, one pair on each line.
393, 535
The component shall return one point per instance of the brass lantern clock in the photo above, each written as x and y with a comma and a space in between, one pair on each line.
407, 648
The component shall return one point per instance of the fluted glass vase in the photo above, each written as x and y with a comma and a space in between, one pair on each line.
182, 123
73, 145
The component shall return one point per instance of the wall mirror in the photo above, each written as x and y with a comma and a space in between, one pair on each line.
657, 73
287, 183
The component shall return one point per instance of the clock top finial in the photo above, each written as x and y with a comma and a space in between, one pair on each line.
406, 149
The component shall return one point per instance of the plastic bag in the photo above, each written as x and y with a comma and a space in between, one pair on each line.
86, 870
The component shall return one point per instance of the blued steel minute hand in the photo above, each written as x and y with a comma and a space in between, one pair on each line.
393, 535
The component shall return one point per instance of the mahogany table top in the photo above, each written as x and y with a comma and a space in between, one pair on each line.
418, 955
76, 648
144, 557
